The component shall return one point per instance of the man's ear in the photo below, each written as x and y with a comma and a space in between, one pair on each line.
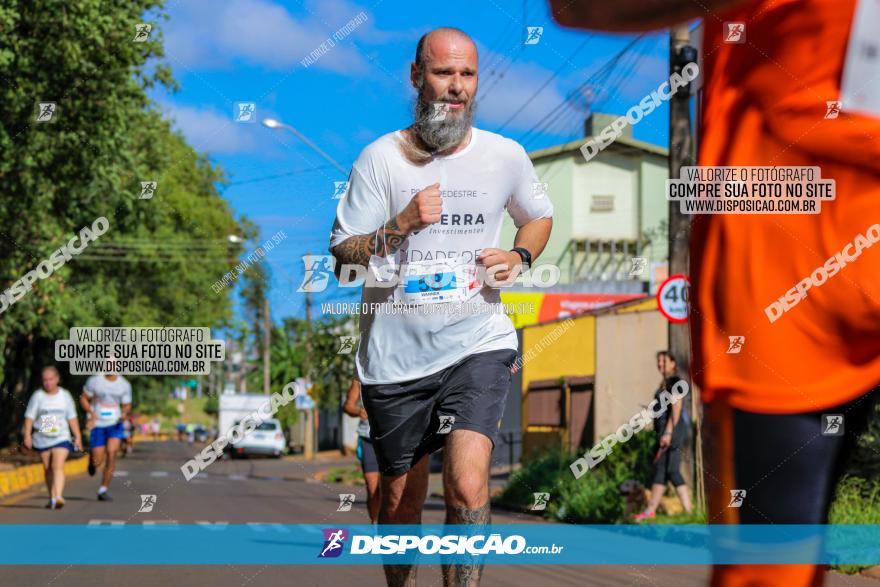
414, 74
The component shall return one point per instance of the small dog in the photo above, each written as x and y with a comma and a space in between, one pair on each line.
636, 497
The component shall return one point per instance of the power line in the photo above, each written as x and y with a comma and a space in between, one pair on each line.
112, 259
503, 41
178, 245
603, 71
498, 78
547, 82
278, 175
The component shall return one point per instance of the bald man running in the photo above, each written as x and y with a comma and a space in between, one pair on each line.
432, 198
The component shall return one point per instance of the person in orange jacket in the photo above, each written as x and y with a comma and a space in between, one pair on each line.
810, 359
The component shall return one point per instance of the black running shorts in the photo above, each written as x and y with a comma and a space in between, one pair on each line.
411, 419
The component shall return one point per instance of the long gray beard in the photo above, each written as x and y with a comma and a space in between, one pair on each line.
440, 135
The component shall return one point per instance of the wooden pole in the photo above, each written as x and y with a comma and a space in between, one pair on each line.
681, 155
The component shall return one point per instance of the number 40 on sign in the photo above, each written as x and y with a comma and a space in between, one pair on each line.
672, 298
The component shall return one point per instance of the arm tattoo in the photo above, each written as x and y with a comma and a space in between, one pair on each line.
465, 575
357, 250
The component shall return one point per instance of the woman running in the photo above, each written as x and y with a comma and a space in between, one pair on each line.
54, 412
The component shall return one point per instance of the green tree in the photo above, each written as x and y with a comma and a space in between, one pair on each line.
288, 359
55, 178
212, 406
328, 370
253, 296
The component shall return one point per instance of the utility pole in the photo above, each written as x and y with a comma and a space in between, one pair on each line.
681, 155
267, 333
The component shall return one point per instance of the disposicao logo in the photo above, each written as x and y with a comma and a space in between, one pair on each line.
334, 542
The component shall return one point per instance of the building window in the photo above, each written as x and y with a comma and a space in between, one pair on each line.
602, 204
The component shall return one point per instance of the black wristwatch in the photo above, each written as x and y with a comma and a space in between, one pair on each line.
524, 254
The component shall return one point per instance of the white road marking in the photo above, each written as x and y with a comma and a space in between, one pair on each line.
158, 473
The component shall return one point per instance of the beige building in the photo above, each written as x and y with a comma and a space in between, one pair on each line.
607, 210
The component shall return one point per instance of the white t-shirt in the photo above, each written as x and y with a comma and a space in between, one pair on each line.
107, 398
50, 413
490, 175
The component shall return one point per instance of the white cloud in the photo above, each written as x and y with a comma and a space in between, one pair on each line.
209, 130
205, 34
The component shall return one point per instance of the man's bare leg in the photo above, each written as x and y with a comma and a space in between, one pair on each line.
374, 495
98, 454
403, 497
112, 450
466, 461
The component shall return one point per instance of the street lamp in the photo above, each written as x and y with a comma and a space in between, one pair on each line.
272, 123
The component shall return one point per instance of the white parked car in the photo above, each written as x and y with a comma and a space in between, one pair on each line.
266, 439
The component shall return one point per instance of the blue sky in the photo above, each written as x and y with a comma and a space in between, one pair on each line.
227, 51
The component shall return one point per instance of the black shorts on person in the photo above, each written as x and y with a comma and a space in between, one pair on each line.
405, 418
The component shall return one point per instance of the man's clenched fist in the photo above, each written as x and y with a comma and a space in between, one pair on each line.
423, 210
502, 267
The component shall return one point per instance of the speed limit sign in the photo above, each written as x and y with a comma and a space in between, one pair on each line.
672, 298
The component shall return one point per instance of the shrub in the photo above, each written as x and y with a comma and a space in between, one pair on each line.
857, 501
346, 475
592, 499
540, 473
212, 406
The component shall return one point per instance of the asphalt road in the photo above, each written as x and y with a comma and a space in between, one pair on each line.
269, 492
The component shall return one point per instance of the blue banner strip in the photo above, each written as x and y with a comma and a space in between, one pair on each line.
517, 544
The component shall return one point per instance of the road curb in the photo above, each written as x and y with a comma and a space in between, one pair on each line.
22, 478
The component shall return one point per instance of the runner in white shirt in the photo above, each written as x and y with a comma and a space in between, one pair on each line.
107, 398
438, 191
49, 418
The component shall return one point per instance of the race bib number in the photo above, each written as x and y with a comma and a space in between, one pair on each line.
434, 282
49, 425
108, 412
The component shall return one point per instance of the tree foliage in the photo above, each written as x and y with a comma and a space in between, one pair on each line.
311, 350
55, 178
